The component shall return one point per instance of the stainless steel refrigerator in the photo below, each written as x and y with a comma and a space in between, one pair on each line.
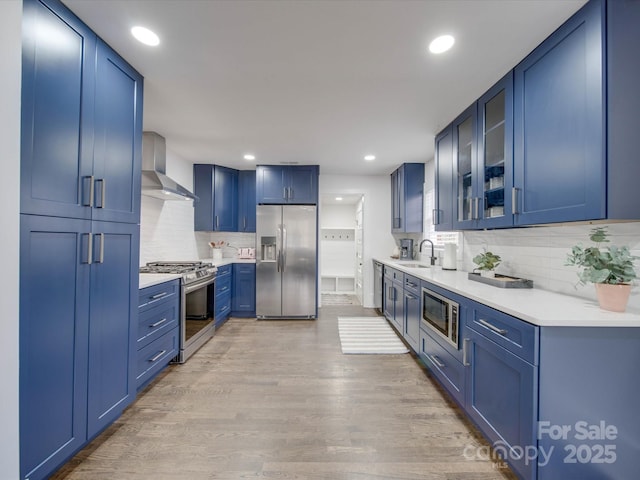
286, 261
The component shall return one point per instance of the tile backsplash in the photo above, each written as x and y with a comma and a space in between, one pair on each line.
166, 233
539, 254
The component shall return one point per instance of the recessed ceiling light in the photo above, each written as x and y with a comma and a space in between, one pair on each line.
248, 156
369, 158
441, 44
339, 199
146, 36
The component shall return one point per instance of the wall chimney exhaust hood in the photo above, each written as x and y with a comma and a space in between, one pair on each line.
155, 182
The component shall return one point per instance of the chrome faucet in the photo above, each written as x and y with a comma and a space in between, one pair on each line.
433, 258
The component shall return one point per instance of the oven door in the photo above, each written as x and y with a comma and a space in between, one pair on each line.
437, 315
197, 315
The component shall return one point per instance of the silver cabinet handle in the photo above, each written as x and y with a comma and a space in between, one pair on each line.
158, 323
217, 221
476, 209
493, 328
159, 295
434, 359
89, 248
103, 189
101, 251
91, 191
284, 192
434, 215
158, 356
465, 352
514, 201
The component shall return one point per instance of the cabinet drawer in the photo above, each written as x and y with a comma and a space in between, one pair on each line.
151, 296
395, 275
157, 321
517, 336
412, 284
444, 366
224, 271
223, 285
244, 268
155, 356
222, 305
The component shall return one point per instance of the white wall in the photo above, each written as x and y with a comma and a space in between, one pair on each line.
377, 238
337, 247
10, 80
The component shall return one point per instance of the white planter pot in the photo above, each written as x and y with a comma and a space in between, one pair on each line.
487, 273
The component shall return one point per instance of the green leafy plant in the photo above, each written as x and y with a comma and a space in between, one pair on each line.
487, 260
611, 264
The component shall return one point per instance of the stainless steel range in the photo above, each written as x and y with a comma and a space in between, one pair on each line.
196, 302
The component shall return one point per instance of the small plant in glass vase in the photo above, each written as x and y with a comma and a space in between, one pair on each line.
610, 269
487, 263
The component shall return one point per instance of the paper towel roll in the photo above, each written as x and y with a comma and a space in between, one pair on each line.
450, 259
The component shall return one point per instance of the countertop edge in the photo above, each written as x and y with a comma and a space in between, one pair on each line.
529, 304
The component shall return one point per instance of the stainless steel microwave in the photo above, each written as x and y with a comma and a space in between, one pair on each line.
440, 315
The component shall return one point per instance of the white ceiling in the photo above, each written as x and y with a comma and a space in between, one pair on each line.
316, 81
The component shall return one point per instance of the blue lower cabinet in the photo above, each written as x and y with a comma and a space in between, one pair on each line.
243, 296
447, 369
78, 291
158, 329
222, 294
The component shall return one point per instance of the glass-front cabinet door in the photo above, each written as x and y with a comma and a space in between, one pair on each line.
495, 158
464, 144
483, 156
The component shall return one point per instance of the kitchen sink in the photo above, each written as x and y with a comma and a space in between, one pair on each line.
414, 265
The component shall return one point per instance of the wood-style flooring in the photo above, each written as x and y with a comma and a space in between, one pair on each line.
278, 399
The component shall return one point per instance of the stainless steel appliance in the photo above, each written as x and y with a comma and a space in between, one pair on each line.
440, 315
377, 285
406, 248
286, 263
196, 302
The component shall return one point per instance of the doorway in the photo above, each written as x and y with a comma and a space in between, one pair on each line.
341, 249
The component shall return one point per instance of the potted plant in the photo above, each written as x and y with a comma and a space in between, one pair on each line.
487, 262
610, 269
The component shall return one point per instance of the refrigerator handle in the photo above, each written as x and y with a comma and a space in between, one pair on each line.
284, 246
278, 247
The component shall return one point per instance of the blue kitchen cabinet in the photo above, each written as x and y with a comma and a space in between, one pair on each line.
559, 124
117, 149
78, 283
247, 201
158, 330
294, 184
81, 121
112, 322
393, 301
465, 154
442, 215
412, 312
222, 295
243, 292
216, 209
501, 357
407, 198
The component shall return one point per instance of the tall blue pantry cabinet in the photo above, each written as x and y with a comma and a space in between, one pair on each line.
79, 243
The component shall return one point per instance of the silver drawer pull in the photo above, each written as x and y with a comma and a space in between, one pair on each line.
158, 295
465, 352
154, 325
435, 360
158, 356
493, 328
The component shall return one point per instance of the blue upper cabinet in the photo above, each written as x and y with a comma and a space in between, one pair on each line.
623, 105
217, 206
466, 206
559, 144
247, 201
296, 184
58, 90
442, 215
117, 139
88, 96
407, 198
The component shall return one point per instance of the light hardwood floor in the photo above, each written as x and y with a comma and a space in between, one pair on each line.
278, 399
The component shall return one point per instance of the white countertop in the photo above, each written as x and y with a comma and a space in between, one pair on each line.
219, 262
151, 279
536, 306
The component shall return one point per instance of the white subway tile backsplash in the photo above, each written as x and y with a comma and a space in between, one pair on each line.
539, 253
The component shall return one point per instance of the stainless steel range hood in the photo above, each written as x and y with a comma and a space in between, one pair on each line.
155, 182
